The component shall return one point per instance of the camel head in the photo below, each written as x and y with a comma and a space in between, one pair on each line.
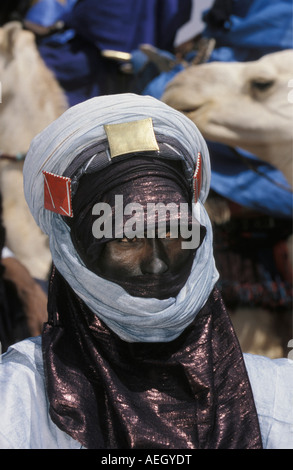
31, 96
242, 105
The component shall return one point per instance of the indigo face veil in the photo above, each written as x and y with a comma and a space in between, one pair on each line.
125, 371
149, 180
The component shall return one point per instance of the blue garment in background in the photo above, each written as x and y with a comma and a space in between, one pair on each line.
92, 26
125, 24
75, 64
71, 59
48, 12
254, 28
250, 182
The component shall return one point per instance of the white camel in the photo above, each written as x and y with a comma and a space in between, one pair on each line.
241, 104
31, 99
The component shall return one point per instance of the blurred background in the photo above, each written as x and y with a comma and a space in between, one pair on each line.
227, 65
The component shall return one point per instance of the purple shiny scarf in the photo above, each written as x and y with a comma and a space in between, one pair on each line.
190, 393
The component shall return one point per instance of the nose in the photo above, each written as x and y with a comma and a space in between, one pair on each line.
155, 266
155, 260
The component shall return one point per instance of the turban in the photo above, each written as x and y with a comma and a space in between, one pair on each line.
78, 142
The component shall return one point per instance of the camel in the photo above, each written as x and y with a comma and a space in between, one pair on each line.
31, 99
241, 104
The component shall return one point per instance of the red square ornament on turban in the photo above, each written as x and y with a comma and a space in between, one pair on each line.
197, 178
57, 194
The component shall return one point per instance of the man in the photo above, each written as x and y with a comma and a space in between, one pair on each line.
138, 351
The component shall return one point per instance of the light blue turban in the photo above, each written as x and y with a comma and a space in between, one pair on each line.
54, 149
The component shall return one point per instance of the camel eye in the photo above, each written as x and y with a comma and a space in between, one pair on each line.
261, 84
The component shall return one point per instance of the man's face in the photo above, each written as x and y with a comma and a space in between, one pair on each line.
147, 201
139, 256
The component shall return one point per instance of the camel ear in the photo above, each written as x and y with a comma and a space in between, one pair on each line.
8, 34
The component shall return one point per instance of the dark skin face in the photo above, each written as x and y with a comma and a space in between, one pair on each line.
138, 256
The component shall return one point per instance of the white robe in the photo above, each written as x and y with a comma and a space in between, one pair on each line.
25, 422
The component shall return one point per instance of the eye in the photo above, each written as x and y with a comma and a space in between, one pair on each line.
261, 84
127, 240
171, 240
165, 236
